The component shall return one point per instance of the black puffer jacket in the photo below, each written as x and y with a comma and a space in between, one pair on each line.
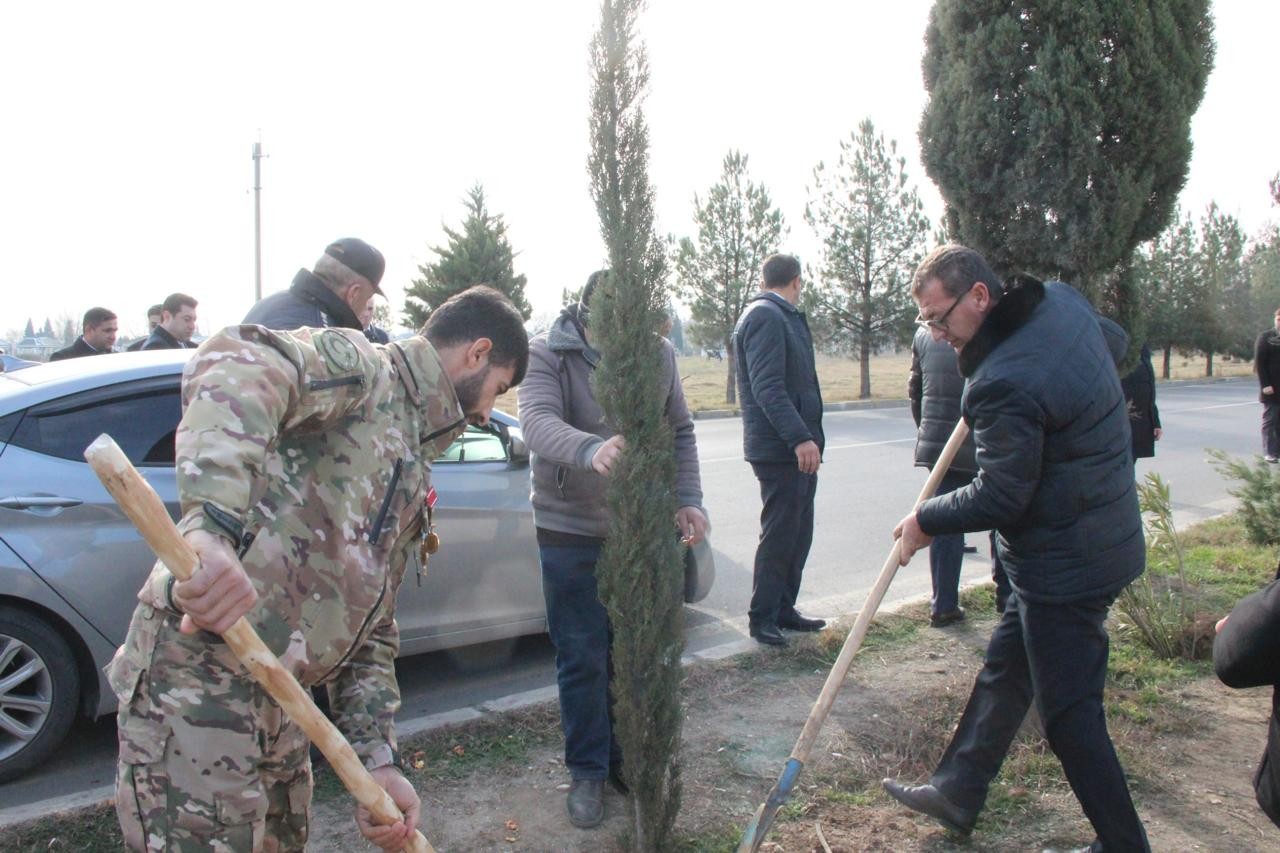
1266, 361
1055, 475
777, 380
934, 388
307, 302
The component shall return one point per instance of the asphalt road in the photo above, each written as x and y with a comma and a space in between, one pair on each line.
866, 484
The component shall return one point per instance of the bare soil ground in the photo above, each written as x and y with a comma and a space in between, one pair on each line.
1190, 753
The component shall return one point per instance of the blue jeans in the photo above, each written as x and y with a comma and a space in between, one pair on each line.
1056, 656
946, 553
579, 628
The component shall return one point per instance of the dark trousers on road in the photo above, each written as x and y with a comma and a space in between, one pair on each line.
946, 553
1271, 429
786, 532
579, 627
998, 576
1056, 655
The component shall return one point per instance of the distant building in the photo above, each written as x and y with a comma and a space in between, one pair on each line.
37, 348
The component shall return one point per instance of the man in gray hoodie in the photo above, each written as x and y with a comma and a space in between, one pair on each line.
573, 451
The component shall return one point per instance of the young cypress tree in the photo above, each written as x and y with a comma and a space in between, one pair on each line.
477, 253
640, 569
1059, 133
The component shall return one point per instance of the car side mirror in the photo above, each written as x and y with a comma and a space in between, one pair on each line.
517, 450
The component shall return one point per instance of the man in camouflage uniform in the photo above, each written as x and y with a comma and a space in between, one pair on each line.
309, 454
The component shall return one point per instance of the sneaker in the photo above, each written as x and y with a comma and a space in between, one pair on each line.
1272, 459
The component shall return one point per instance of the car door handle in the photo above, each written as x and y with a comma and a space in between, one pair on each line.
39, 502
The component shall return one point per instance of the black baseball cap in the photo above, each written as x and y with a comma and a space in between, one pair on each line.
359, 257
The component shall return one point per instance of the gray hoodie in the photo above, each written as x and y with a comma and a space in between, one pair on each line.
564, 427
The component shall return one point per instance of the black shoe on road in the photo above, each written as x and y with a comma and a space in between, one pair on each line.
768, 633
796, 622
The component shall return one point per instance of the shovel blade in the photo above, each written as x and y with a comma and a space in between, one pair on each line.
762, 820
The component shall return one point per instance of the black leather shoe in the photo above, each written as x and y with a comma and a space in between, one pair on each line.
768, 633
951, 617
796, 622
1095, 847
928, 800
586, 802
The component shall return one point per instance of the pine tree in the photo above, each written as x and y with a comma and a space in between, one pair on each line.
30, 331
477, 253
873, 230
1165, 271
1059, 133
1221, 273
738, 227
640, 569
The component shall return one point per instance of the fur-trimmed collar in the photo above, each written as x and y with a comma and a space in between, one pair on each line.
1006, 317
566, 335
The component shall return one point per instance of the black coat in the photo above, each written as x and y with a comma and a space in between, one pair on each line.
1266, 361
161, 339
1247, 654
1055, 475
1139, 387
935, 387
777, 380
78, 349
307, 302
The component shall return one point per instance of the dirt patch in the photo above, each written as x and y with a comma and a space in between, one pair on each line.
1191, 762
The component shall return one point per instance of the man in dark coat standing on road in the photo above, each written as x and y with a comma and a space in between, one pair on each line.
1266, 361
1055, 480
100, 325
782, 439
334, 293
177, 324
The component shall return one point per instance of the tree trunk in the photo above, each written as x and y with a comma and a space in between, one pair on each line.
1168, 354
1208, 363
731, 384
864, 369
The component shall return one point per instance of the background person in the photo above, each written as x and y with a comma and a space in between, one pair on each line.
154, 313
99, 336
782, 438
574, 449
177, 324
333, 293
289, 483
1139, 386
1266, 361
934, 388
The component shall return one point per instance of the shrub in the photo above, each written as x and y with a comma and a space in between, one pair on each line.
1259, 494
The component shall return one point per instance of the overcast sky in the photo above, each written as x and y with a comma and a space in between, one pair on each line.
125, 168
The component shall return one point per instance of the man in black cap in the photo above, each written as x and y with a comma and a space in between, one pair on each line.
334, 293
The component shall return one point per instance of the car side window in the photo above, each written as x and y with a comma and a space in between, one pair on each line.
476, 444
142, 420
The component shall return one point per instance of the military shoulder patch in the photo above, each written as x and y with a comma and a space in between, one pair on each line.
339, 353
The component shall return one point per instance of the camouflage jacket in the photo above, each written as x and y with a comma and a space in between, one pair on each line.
313, 447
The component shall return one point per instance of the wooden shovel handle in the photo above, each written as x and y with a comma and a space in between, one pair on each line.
144, 508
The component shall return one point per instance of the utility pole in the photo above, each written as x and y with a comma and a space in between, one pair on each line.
257, 220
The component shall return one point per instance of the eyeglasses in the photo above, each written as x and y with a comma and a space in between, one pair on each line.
940, 324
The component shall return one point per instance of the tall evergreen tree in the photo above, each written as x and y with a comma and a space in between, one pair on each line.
1262, 268
30, 331
1167, 286
477, 253
640, 569
1221, 273
1059, 133
874, 231
738, 227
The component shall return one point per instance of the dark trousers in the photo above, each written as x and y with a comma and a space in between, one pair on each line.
1003, 587
1056, 655
946, 553
786, 532
1271, 428
579, 628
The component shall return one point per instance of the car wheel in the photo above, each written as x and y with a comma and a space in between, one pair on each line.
39, 691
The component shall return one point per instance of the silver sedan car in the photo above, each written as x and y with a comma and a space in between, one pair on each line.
71, 562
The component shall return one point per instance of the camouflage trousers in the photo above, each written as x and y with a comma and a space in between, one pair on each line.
208, 762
